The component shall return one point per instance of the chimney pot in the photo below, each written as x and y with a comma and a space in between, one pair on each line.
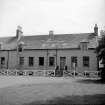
51, 32
19, 28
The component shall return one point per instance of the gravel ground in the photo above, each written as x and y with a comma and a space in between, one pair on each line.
20, 90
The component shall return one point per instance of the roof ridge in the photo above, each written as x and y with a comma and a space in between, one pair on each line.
59, 34
8, 37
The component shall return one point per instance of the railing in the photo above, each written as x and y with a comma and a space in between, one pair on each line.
93, 74
47, 73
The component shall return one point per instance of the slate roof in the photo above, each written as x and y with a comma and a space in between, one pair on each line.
44, 42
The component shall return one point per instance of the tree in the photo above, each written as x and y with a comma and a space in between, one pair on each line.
101, 54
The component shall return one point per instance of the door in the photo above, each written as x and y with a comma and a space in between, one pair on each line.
73, 62
62, 64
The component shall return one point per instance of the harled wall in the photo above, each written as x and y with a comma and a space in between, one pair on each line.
11, 58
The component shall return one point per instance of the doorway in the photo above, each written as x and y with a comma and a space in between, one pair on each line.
62, 65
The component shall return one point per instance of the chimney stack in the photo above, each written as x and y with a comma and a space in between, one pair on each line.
96, 30
19, 32
51, 34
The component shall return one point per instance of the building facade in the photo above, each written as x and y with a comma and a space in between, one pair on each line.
49, 52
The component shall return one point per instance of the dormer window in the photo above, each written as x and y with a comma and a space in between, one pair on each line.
20, 46
84, 45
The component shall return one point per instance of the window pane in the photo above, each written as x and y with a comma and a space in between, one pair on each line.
86, 61
21, 61
51, 61
31, 61
41, 61
2, 60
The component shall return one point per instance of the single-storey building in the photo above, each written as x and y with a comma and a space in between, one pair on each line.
48, 52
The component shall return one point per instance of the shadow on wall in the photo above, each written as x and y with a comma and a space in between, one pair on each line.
98, 99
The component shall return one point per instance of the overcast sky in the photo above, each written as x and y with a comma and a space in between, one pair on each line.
39, 16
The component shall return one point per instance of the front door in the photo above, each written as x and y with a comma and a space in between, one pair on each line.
62, 64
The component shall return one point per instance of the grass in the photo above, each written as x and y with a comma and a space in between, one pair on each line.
98, 99
54, 91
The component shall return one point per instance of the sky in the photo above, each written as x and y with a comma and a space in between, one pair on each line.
39, 16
